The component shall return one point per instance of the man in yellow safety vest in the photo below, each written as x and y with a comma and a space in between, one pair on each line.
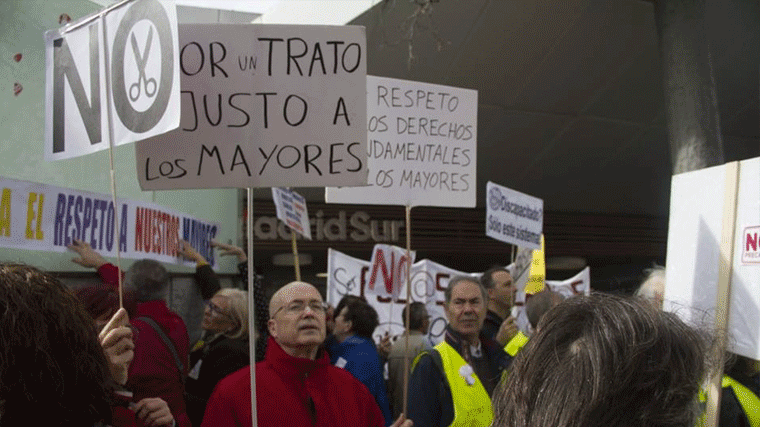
452, 384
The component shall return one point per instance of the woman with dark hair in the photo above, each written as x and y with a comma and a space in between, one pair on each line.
606, 361
53, 370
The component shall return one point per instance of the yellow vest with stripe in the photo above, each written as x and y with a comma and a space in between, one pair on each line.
516, 344
472, 405
749, 402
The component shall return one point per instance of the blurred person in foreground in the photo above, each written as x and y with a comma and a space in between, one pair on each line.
606, 361
295, 385
55, 369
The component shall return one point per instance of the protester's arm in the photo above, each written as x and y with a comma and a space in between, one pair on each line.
108, 272
205, 277
230, 250
154, 411
116, 340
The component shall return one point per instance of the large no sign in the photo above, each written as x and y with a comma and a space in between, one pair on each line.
122, 62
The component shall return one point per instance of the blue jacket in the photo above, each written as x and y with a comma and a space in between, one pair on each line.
359, 356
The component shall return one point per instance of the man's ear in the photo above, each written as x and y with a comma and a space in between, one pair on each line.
271, 328
350, 324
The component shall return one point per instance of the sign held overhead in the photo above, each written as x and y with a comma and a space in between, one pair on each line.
264, 106
122, 62
514, 217
422, 146
291, 209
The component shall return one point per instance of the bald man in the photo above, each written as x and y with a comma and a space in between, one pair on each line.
295, 383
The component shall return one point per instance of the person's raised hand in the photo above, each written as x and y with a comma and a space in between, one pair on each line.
230, 250
402, 422
116, 340
507, 330
87, 256
187, 251
153, 411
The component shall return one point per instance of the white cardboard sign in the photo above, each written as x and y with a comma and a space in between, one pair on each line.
264, 106
291, 209
422, 146
514, 217
696, 210
142, 62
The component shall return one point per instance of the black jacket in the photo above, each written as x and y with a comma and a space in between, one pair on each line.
219, 358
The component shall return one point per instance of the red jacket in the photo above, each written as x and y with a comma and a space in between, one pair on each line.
153, 372
286, 388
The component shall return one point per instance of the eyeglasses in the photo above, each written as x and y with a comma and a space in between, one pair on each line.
215, 309
298, 307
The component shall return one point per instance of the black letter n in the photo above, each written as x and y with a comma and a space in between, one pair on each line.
63, 65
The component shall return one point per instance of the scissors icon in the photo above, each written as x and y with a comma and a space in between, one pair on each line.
134, 89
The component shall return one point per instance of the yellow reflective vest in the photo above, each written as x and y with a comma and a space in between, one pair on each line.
516, 344
749, 402
472, 405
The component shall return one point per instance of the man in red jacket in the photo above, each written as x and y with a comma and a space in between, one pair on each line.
295, 384
159, 367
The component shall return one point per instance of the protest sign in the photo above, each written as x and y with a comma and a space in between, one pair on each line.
48, 218
537, 274
350, 276
264, 106
291, 209
389, 267
694, 236
513, 217
135, 61
422, 146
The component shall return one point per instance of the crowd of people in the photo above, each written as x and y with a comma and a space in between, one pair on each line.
85, 358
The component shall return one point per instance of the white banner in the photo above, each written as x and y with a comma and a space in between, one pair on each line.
350, 276
514, 217
48, 218
422, 146
265, 106
694, 235
291, 209
143, 72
